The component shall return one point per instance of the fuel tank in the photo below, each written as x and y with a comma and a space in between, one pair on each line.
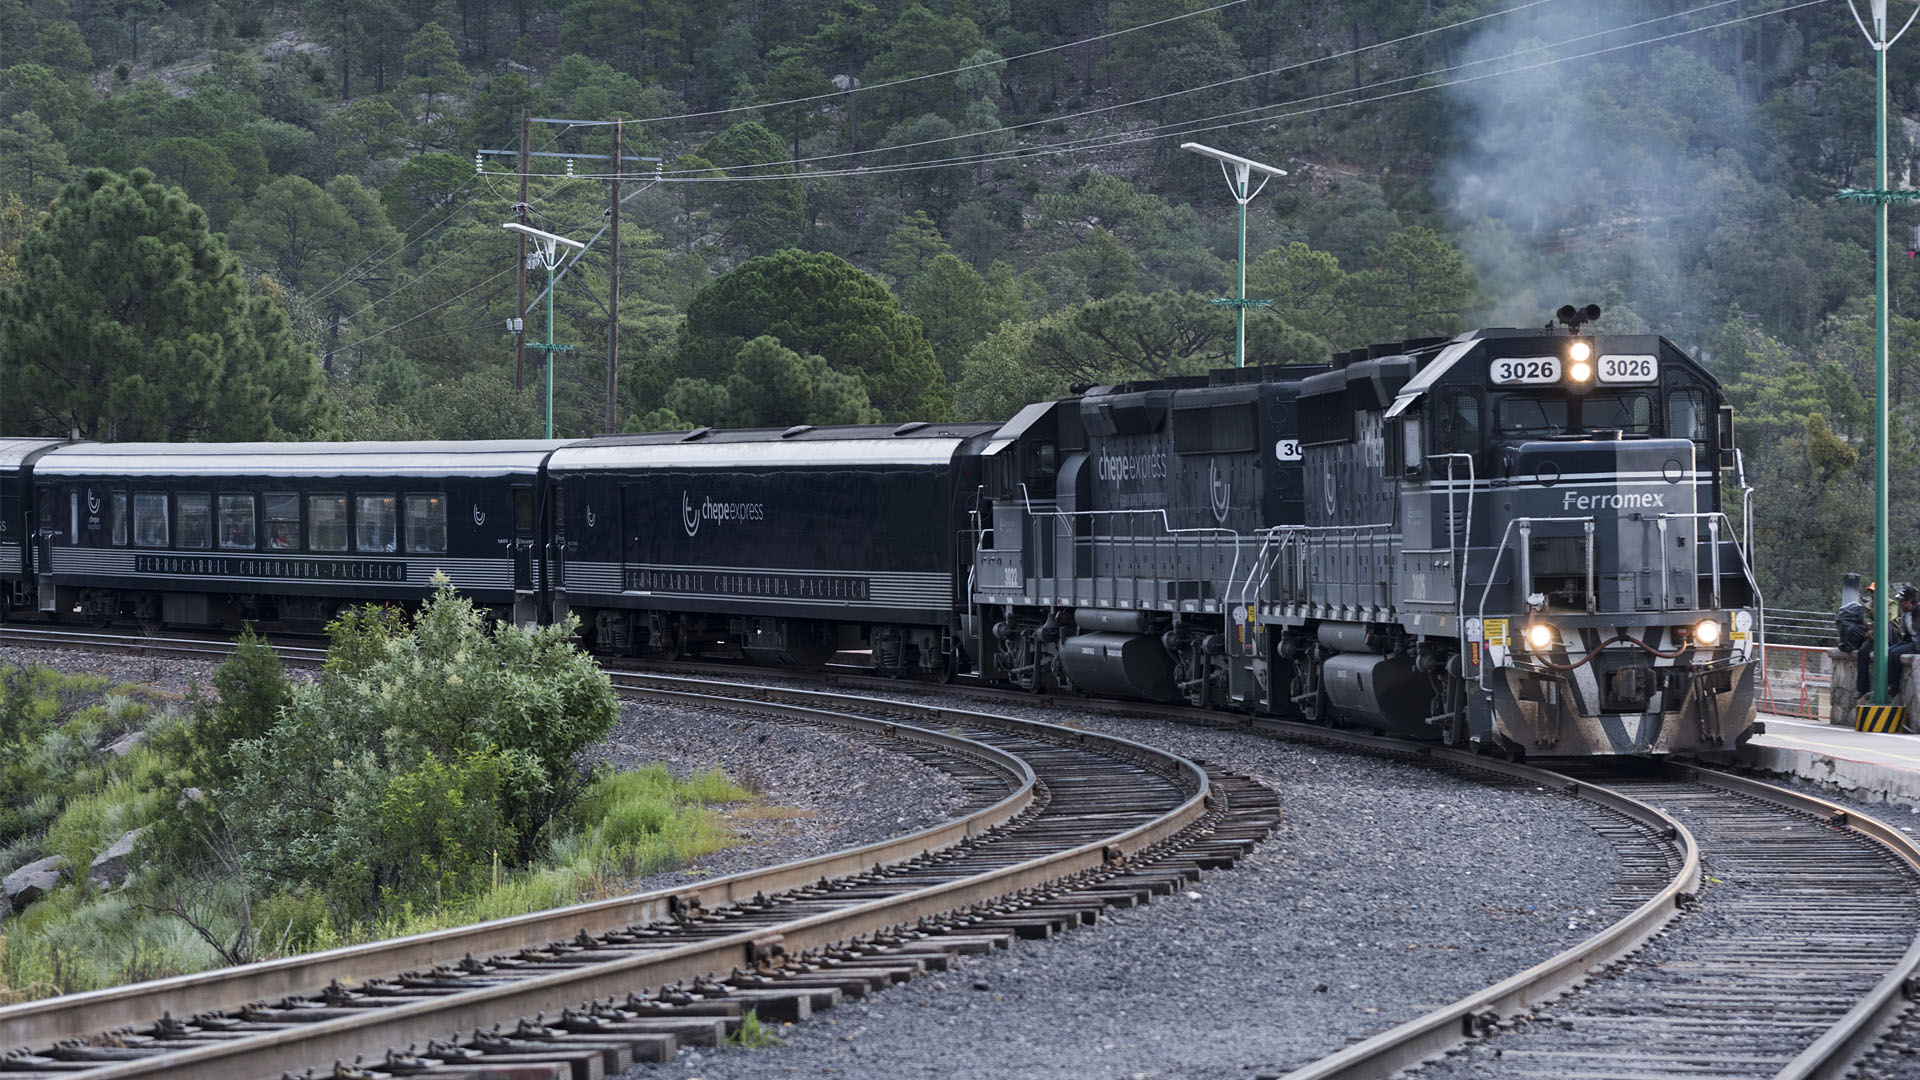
1124, 665
1378, 690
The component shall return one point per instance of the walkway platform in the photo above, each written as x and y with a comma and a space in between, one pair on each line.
1864, 764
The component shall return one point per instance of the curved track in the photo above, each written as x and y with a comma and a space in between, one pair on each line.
1788, 956
1076, 821
1786, 962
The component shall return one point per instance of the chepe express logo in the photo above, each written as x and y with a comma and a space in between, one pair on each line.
691, 516
1220, 491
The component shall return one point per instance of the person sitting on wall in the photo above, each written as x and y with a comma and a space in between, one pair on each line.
1901, 633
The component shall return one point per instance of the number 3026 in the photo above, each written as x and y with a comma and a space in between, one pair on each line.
1534, 369
1628, 369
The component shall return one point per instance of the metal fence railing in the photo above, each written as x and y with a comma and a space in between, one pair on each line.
1789, 626
1796, 680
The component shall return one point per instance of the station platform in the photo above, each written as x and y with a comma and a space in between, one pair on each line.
1864, 764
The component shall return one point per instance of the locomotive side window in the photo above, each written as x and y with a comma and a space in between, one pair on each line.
1459, 426
523, 511
283, 521
1531, 416
327, 522
427, 524
236, 522
1629, 413
374, 524
117, 509
150, 519
196, 519
1688, 417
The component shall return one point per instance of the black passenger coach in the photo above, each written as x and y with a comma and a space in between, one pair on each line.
16, 519
791, 545
198, 534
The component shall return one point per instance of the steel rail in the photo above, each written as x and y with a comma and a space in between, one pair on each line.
1424, 1038
35, 1023
1835, 1052
1428, 1036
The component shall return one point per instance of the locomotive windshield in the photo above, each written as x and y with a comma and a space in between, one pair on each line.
1534, 416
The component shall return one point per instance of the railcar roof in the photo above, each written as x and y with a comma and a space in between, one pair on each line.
14, 452
297, 459
802, 445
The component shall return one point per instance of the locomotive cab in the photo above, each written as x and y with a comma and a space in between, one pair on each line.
1603, 604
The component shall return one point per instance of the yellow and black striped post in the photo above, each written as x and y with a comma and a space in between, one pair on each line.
1880, 718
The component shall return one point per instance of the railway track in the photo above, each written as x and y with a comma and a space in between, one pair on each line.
1787, 961
1757, 931
1071, 823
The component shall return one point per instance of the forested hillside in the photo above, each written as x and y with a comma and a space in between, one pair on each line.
875, 209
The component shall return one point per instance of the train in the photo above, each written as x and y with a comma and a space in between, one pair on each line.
1512, 540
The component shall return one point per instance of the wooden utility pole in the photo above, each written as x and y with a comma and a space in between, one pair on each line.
520, 268
613, 296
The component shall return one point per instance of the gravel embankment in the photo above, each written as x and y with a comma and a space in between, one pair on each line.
1388, 890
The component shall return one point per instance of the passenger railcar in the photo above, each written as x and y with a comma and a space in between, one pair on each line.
789, 545
16, 521
199, 534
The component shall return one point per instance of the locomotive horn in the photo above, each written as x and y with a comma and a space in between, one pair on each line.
1567, 314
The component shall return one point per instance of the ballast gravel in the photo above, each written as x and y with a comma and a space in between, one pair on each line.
1389, 889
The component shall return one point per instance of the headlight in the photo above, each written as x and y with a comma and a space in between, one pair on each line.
1540, 636
1579, 352
1580, 371
1707, 632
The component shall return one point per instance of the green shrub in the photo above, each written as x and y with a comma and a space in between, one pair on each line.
425, 749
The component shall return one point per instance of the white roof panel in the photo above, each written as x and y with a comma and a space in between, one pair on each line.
1430, 374
14, 452
701, 454
501, 458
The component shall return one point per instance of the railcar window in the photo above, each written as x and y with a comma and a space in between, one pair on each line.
327, 522
1459, 431
150, 519
236, 522
196, 520
283, 521
1630, 413
1689, 418
374, 525
117, 501
522, 510
427, 524
1518, 415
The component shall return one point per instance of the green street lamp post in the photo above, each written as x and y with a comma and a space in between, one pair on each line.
1881, 196
1242, 170
545, 252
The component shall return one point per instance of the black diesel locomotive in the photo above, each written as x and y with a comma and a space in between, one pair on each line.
1513, 540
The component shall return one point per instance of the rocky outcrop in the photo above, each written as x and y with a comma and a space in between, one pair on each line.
124, 745
112, 866
33, 881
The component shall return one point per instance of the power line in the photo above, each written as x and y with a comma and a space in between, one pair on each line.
423, 313
911, 78
1154, 98
1203, 124
400, 243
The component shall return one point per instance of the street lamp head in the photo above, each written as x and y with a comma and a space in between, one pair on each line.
1235, 160
547, 241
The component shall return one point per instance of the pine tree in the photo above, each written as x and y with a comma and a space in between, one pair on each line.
129, 320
